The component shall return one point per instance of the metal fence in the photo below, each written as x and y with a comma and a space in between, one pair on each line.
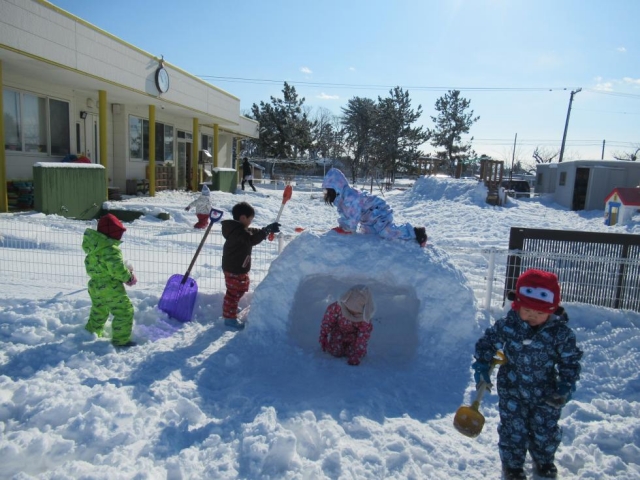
37, 253
596, 268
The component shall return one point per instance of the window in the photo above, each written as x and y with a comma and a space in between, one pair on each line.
36, 124
12, 121
59, 127
563, 178
139, 140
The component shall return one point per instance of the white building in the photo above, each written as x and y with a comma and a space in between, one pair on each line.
71, 88
584, 184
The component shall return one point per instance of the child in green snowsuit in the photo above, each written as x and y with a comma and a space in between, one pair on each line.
108, 272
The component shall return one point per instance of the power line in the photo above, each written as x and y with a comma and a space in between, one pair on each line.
375, 86
406, 87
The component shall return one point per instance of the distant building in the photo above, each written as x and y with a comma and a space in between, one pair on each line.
70, 88
584, 184
621, 205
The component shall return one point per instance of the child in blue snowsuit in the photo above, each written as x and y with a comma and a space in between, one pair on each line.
369, 211
539, 376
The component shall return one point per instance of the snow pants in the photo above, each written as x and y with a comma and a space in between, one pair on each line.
250, 180
203, 220
109, 296
527, 425
237, 285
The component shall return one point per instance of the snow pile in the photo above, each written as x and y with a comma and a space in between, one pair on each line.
196, 400
407, 284
468, 191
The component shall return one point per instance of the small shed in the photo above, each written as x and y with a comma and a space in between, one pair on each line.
621, 204
584, 184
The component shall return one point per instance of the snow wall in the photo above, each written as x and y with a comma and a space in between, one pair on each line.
424, 306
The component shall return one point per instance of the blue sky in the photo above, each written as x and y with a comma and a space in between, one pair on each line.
517, 61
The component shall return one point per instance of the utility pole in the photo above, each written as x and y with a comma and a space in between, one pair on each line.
566, 123
602, 156
513, 157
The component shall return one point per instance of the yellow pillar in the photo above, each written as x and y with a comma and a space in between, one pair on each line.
4, 199
216, 145
152, 150
102, 120
194, 155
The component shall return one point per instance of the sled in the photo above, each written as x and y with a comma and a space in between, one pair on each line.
179, 296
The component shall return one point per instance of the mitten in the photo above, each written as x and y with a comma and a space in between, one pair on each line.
562, 395
481, 374
272, 228
132, 281
353, 361
421, 235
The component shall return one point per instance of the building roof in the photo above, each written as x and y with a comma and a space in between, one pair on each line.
627, 195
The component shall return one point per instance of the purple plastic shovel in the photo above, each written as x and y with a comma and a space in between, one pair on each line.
179, 296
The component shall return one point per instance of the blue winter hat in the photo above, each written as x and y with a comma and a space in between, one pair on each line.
205, 191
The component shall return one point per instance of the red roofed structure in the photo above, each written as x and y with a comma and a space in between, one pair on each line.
621, 204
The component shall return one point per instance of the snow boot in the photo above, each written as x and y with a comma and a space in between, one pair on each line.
233, 323
421, 235
545, 470
130, 343
513, 473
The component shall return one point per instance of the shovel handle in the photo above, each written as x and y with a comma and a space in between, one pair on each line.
285, 198
483, 387
204, 238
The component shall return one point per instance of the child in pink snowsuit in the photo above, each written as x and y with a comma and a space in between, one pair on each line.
370, 212
203, 207
346, 325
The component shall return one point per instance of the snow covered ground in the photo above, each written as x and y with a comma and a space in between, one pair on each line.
198, 401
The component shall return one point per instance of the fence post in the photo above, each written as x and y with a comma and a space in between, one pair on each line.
492, 264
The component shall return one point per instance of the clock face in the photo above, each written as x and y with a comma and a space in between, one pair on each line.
162, 80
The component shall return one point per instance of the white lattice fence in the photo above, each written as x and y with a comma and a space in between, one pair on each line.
36, 252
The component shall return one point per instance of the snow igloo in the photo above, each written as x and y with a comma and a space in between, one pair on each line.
424, 305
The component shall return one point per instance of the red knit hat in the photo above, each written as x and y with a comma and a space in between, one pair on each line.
537, 290
110, 226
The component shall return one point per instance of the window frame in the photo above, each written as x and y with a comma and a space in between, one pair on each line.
562, 179
168, 147
44, 124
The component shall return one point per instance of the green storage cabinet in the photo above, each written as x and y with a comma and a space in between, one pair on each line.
73, 190
224, 180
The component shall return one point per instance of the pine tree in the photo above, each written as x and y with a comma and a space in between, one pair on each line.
285, 130
396, 141
358, 120
452, 121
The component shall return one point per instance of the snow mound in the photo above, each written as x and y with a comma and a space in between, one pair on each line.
462, 190
424, 306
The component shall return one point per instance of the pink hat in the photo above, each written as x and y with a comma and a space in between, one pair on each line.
537, 290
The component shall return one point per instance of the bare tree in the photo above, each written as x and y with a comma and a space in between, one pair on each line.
627, 155
545, 155
322, 133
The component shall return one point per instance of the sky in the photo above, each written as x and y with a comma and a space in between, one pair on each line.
197, 400
517, 61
